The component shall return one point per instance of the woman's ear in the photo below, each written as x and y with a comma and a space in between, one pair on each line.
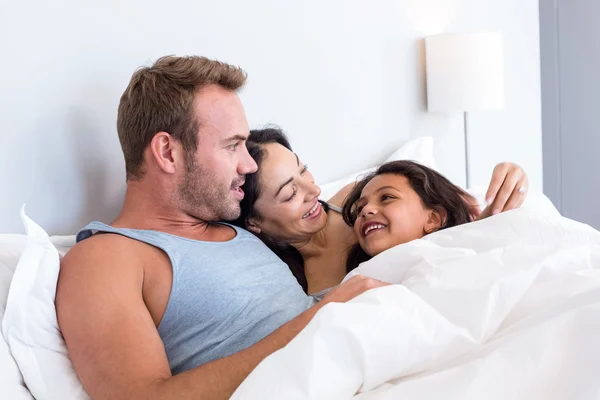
435, 220
253, 225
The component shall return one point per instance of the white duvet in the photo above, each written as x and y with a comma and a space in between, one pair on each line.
505, 308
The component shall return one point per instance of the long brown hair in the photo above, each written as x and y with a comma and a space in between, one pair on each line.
435, 191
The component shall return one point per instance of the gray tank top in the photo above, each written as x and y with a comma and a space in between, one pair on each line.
225, 296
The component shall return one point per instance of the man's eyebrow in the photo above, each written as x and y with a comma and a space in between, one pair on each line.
282, 186
235, 137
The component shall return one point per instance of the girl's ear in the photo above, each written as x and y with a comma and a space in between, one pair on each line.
435, 220
253, 225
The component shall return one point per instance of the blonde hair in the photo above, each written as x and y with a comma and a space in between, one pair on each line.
161, 97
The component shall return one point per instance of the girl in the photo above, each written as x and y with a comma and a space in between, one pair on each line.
400, 202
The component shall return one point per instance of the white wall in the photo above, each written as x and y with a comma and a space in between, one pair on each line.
345, 78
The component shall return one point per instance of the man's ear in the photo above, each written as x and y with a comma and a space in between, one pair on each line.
435, 219
166, 152
253, 225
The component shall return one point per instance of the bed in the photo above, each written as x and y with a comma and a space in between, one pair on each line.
402, 341
475, 311
505, 308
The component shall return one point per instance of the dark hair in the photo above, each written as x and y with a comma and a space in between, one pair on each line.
252, 190
436, 193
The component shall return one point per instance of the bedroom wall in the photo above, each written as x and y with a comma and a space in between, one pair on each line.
570, 62
345, 79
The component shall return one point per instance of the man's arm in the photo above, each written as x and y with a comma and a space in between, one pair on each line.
113, 341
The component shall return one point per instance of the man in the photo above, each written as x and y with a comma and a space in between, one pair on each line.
165, 289
167, 303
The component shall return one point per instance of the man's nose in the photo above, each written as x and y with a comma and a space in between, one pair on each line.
247, 165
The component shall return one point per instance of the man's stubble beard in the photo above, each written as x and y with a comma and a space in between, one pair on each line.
202, 196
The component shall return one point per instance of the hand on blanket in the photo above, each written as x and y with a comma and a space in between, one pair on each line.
351, 288
507, 190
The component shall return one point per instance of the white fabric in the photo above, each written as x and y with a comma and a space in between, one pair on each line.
534, 200
30, 323
419, 150
11, 380
504, 308
11, 247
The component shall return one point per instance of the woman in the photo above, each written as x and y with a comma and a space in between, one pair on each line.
282, 208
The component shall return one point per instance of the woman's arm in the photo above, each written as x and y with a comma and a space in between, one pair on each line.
507, 191
339, 197
336, 227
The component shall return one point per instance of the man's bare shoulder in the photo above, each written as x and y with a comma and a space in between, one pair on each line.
97, 268
105, 250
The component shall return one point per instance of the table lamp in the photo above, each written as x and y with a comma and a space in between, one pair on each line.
465, 73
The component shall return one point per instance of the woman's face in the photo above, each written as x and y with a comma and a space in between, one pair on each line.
390, 212
288, 204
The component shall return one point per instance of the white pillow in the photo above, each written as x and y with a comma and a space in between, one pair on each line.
11, 247
11, 381
534, 200
30, 324
419, 150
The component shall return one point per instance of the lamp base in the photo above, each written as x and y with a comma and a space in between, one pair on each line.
467, 167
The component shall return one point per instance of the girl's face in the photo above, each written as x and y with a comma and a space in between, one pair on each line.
389, 212
288, 205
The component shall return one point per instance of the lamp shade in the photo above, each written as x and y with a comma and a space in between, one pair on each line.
465, 72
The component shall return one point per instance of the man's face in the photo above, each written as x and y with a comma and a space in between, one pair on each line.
211, 186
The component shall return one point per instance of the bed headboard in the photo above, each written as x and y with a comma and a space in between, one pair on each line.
344, 78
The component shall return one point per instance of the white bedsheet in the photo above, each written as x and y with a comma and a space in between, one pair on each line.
506, 308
